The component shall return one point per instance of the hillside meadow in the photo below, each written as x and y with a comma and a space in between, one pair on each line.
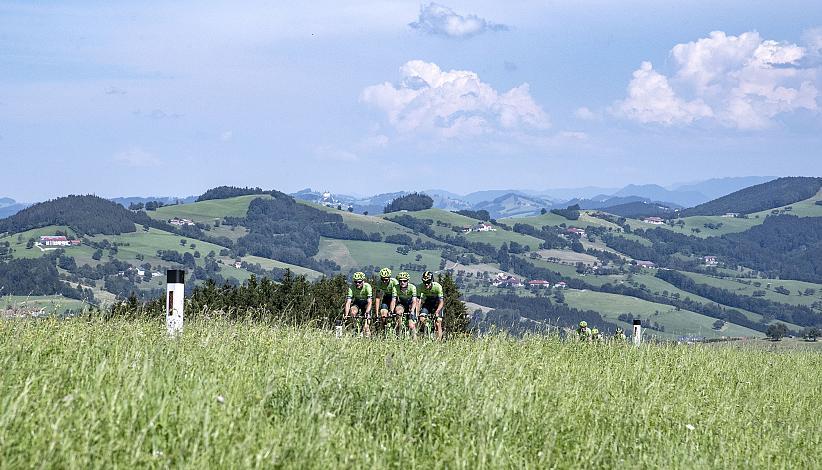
93, 394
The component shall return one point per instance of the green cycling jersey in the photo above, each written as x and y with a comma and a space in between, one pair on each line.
362, 293
387, 290
432, 293
409, 292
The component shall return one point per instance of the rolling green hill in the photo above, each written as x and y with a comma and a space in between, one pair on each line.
207, 211
287, 226
776, 193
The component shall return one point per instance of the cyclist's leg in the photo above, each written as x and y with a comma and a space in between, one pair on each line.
439, 320
425, 322
411, 320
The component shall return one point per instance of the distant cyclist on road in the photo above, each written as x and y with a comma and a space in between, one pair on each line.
386, 294
407, 302
583, 332
358, 300
619, 335
432, 302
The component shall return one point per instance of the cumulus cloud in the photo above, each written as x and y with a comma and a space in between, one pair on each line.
453, 104
136, 157
586, 114
738, 81
440, 20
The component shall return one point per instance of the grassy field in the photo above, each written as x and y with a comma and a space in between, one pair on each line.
585, 220
495, 239
676, 322
740, 286
79, 394
207, 211
270, 264
806, 208
356, 254
51, 304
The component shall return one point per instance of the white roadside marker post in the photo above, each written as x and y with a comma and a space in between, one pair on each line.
175, 295
637, 332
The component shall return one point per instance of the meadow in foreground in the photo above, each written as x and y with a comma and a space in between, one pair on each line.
118, 394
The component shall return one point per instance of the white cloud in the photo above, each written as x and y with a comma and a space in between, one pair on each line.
651, 99
136, 157
585, 114
453, 104
738, 81
225, 136
443, 21
812, 39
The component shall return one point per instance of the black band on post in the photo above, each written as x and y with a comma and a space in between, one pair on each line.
175, 276
637, 322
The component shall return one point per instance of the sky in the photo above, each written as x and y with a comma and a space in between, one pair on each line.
135, 98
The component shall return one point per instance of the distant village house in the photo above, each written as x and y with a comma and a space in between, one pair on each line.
181, 222
654, 220
58, 240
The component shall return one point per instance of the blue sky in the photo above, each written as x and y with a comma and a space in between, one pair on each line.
149, 98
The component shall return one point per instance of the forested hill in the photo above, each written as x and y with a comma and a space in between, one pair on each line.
225, 192
84, 214
776, 193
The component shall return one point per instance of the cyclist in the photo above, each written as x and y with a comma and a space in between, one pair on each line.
619, 335
583, 332
407, 301
596, 336
358, 300
432, 302
386, 295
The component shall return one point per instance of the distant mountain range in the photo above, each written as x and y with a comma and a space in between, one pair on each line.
508, 202
644, 200
9, 207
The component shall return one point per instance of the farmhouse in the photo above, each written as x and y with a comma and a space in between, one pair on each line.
576, 231
483, 227
646, 264
57, 241
180, 222
539, 283
561, 285
731, 214
653, 220
504, 280
710, 261
466, 229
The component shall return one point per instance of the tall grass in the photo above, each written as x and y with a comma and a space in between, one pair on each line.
118, 394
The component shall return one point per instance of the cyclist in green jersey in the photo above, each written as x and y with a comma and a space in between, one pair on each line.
432, 301
386, 294
407, 302
359, 296
583, 332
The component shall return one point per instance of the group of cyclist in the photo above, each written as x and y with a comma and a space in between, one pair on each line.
396, 302
593, 335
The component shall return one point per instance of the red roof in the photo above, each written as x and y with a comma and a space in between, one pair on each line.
538, 282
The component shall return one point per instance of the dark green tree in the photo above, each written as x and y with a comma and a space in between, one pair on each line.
776, 331
456, 315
